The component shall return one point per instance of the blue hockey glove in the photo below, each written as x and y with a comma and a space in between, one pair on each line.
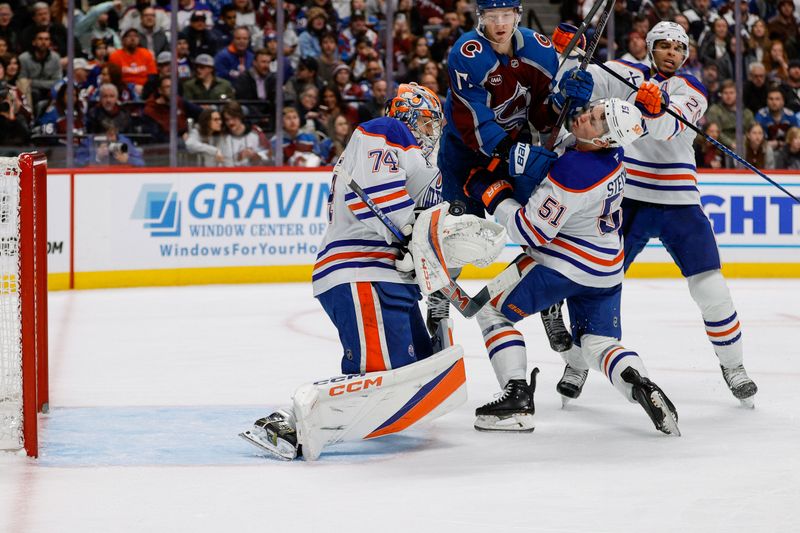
486, 189
579, 89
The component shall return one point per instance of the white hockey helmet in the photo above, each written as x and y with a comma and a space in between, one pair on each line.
667, 31
622, 123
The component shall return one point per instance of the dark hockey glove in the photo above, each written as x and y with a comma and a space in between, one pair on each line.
529, 165
578, 89
486, 189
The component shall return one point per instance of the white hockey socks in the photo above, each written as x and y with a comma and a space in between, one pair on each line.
505, 345
608, 356
712, 296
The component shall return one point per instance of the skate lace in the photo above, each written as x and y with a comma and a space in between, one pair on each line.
574, 376
552, 320
502, 395
736, 377
438, 306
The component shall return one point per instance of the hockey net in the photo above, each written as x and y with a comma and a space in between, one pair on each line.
23, 300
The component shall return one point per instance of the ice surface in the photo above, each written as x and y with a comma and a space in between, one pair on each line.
149, 388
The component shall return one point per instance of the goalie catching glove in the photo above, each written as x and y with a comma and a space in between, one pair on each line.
441, 241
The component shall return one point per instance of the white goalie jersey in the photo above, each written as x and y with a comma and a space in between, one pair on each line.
384, 158
571, 222
658, 172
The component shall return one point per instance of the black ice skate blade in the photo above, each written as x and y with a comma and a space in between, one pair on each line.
246, 435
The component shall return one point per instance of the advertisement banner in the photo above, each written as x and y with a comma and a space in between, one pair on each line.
58, 224
272, 222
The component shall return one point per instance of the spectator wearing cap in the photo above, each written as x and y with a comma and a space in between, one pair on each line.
135, 61
637, 49
232, 61
351, 34
189, 8
42, 21
80, 74
309, 42
107, 109
152, 37
205, 86
343, 81
163, 64
776, 119
305, 76
332, 13
223, 28
40, 67
784, 25
201, 39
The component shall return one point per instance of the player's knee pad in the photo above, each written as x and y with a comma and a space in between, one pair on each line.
711, 294
374, 404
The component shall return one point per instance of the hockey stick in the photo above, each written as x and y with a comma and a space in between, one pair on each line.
598, 33
580, 31
721, 147
465, 304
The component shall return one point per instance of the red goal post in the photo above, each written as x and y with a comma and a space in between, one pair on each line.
23, 300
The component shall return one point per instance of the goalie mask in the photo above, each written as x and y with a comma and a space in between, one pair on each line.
667, 31
421, 110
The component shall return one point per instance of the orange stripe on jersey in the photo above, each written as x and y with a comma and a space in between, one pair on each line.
404, 148
588, 256
723, 333
372, 334
600, 182
641, 173
449, 384
500, 336
530, 226
608, 358
381, 199
350, 255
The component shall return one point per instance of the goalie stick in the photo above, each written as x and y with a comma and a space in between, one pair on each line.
598, 33
721, 147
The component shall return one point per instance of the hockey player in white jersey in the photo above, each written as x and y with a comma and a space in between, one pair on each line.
392, 379
570, 228
661, 196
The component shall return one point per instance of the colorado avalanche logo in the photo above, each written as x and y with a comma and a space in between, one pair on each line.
471, 48
513, 111
544, 41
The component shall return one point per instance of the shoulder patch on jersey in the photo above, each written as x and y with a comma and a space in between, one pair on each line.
471, 48
577, 171
392, 130
694, 83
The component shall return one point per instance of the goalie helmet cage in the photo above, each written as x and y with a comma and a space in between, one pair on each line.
23, 300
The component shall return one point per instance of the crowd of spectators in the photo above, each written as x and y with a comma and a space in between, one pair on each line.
335, 73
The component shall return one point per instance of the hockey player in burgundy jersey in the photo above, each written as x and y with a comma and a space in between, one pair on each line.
661, 196
570, 226
501, 79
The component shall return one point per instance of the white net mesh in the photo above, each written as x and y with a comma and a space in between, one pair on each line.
10, 325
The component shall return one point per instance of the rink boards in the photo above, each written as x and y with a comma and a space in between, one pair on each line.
113, 228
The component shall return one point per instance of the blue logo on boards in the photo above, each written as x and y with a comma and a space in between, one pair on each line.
159, 207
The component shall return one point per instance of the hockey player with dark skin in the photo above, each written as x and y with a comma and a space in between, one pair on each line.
661, 196
501, 84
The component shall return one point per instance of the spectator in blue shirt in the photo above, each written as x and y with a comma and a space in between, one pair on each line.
234, 60
776, 119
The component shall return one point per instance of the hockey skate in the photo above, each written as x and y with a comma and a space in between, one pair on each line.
275, 434
438, 310
740, 384
557, 334
512, 411
655, 403
571, 383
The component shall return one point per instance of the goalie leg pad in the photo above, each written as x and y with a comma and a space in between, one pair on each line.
370, 405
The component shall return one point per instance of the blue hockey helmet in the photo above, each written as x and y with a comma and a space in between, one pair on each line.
497, 4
